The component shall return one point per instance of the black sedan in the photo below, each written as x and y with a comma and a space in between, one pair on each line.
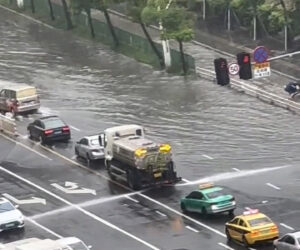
49, 129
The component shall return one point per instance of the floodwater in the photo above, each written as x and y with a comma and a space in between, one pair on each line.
211, 128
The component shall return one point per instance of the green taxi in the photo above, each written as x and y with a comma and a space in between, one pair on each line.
208, 199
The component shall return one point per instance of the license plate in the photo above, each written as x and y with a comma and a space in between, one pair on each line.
157, 175
265, 231
9, 225
57, 132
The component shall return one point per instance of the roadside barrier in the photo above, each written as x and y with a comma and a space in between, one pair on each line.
8, 125
255, 91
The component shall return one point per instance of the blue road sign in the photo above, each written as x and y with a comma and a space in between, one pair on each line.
260, 54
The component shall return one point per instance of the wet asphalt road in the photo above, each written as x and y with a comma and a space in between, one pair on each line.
215, 132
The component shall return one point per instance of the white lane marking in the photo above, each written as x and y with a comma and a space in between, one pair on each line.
91, 215
236, 169
223, 245
273, 186
44, 228
286, 226
208, 157
185, 180
192, 229
130, 198
77, 129
160, 213
33, 200
232, 175
183, 215
25, 146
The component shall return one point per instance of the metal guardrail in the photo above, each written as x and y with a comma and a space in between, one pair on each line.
8, 125
256, 92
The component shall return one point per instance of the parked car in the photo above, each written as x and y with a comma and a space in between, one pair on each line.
18, 98
89, 148
49, 129
290, 241
10, 216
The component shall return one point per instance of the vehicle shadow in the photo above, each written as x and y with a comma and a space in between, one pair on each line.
12, 235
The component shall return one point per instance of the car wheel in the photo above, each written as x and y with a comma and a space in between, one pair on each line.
76, 152
88, 159
228, 235
42, 140
203, 211
30, 135
246, 244
183, 208
13, 112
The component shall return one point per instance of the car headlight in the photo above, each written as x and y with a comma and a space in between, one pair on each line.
214, 207
21, 219
233, 203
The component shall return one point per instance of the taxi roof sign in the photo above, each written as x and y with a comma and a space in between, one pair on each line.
206, 185
251, 211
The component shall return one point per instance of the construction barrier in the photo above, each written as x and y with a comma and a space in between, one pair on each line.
8, 125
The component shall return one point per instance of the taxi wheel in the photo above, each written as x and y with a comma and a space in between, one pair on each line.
246, 244
183, 208
227, 235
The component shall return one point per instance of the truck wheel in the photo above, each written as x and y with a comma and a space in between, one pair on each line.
132, 182
111, 176
204, 212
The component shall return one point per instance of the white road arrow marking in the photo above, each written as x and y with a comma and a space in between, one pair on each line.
73, 188
33, 200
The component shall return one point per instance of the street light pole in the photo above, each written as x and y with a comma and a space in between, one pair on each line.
165, 43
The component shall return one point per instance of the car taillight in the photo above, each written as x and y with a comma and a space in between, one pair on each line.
254, 233
48, 131
274, 229
65, 129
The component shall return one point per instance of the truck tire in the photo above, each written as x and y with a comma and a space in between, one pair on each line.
171, 173
111, 176
132, 181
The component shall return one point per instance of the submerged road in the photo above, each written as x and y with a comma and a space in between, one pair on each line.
216, 134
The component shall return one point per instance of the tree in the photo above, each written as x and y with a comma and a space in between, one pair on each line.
51, 10
67, 14
135, 9
178, 26
78, 6
32, 6
103, 6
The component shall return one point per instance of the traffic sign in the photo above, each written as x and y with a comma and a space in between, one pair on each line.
233, 68
261, 70
260, 54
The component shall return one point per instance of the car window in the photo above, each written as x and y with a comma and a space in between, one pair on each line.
2, 93
6, 93
215, 194
6, 206
290, 240
12, 94
259, 221
94, 142
235, 221
53, 123
242, 223
195, 195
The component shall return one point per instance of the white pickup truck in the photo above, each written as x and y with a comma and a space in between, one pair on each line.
69, 243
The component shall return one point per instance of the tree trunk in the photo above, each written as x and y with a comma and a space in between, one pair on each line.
156, 51
67, 15
182, 58
111, 28
286, 21
90, 21
51, 10
32, 6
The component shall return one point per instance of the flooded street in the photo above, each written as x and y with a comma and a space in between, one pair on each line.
214, 132
211, 128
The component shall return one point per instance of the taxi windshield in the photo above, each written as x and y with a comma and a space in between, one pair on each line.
215, 194
259, 221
